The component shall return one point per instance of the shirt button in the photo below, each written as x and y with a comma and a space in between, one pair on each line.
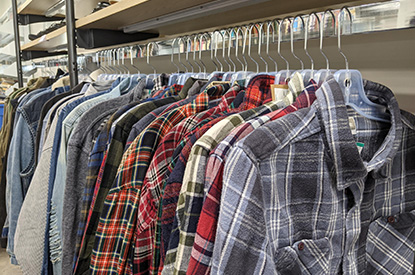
301, 246
391, 219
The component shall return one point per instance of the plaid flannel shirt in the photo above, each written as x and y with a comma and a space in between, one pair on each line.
191, 195
202, 250
299, 197
154, 181
107, 174
114, 234
94, 163
160, 82
170, 230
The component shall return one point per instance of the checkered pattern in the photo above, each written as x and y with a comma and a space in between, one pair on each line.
160, 83
218, 131
154, 181
94, 163
298, 197
171, 190
202, 250
114, 234
107, 174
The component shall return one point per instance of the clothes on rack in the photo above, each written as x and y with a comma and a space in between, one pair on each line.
207, 177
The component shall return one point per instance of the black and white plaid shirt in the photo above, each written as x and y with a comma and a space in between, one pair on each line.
299, 197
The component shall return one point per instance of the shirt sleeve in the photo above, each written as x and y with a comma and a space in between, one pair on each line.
241, 244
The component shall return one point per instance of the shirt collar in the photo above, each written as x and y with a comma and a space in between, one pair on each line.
348, 166
258, 91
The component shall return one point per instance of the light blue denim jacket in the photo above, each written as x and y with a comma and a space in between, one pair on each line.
21, 164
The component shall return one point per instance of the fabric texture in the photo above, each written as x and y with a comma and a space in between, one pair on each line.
200, 261
154, 179
118, 217
287, 207
111, 161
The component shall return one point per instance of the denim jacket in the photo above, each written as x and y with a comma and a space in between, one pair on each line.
20, 161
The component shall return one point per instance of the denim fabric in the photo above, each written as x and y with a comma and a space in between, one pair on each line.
45, 110
31, 249
21, 158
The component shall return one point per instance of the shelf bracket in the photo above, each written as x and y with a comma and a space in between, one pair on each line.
25, 19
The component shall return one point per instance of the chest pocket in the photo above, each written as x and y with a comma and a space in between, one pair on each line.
304, 257
390, 245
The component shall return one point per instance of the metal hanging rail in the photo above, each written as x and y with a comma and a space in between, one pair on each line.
71, 37
17, 44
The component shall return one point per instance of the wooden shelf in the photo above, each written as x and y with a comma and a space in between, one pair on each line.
128, 12
48, 41
37, 7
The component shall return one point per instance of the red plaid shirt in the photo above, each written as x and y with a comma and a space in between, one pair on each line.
154, 181
206, 230
114, 235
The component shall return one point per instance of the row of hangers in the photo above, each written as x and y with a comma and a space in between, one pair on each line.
112, 62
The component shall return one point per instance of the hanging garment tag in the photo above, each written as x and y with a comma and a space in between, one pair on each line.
279, 92
360, 147
352, 125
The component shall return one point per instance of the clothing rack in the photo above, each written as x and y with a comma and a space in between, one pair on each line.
367, 18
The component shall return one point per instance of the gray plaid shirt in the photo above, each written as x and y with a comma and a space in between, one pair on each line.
299, 197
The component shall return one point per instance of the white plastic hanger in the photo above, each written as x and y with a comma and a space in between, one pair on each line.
321, 75
150, 77
241, 75
283, 75
269, 25
351, 83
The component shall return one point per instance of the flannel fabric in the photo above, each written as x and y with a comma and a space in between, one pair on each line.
181, 241
114, 234
160, 82
299, 197
110, 163
154, 180
171, 190
202, 250
214, 135
95, 159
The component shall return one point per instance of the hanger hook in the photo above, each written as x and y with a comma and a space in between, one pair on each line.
292, 38
172, 54
148, 55
279, 40
260, 39
179, 53
322, 24
238, 29
195, 37
307, 28
224, 48
250, 44
229, 32
188, 49
205, 35
269, 25
339, 25
201, 36
214, 35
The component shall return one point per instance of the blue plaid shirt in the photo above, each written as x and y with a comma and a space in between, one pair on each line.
299, 197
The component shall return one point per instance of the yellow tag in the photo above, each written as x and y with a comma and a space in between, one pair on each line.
279, 92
